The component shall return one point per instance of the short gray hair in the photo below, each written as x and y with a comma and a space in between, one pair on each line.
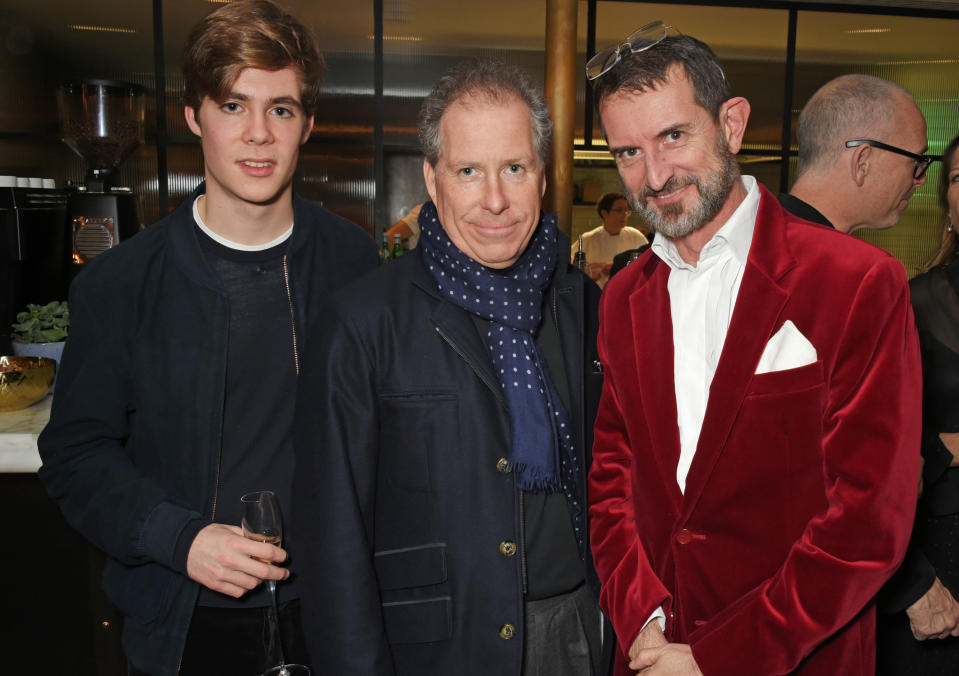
498, 82
848, 107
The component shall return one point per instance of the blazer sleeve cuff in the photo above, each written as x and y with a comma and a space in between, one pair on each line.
937, 459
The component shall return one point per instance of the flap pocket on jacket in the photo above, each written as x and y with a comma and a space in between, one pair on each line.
419, 621
411, 566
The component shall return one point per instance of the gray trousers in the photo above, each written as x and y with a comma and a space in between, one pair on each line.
563, 636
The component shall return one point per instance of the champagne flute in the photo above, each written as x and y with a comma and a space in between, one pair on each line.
262, 522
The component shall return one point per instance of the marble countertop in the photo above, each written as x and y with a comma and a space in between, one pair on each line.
18, 437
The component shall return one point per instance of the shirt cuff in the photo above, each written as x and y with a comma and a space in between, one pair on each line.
658, 615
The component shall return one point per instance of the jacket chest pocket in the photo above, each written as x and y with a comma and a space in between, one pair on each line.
413, 427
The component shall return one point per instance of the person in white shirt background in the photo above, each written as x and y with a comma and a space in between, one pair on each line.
601, 244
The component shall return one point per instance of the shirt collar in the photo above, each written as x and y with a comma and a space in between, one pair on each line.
230, 244
736, 234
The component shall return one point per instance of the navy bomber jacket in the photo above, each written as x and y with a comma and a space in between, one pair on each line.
132, 446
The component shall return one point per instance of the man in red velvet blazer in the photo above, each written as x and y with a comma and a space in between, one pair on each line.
754, 482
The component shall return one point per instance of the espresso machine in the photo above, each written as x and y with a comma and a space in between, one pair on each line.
103, 122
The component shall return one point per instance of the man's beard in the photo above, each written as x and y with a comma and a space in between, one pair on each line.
670, 219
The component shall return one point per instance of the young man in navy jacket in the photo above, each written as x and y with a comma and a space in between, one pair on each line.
176, 391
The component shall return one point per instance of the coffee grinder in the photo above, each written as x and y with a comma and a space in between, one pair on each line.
103, 122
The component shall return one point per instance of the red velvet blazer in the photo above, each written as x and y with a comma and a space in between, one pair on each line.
800, 498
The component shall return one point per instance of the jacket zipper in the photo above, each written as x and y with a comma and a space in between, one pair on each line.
219, 453
493, 387
289, 298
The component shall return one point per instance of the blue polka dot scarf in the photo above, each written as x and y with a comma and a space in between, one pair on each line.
512, 301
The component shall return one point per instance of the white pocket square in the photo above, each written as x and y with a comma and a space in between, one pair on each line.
788, 349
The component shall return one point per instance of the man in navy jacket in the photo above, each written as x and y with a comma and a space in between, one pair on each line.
444, 421
177, 385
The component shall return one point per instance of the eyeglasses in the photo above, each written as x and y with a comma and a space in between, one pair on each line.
621, 211
640, 40
922, 161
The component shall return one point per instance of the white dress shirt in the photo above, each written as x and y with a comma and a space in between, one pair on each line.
701, 302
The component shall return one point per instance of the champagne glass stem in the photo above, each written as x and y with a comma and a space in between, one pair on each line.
275, 621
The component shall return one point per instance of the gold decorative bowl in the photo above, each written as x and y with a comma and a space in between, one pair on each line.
24, 381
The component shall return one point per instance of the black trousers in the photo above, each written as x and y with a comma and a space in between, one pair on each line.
238, 642
898, 652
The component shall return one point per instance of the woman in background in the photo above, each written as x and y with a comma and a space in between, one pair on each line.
923, 638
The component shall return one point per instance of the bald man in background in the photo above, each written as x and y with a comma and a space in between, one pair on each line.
862, 145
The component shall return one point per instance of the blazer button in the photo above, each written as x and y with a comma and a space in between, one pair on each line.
507, 548
684, 537
502, 466
507, 631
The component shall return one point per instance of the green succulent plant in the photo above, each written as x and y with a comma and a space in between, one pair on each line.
42, 323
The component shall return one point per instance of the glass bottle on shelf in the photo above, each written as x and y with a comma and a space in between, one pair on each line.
385, 248
579, 258
397, 246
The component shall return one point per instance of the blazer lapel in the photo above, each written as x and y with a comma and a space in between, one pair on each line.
756, 315
652, 331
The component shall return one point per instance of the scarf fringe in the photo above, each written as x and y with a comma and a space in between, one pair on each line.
530, 478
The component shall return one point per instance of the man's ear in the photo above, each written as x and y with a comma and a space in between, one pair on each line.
429, 177
733, 116
308, 129
194, 124
859, 163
